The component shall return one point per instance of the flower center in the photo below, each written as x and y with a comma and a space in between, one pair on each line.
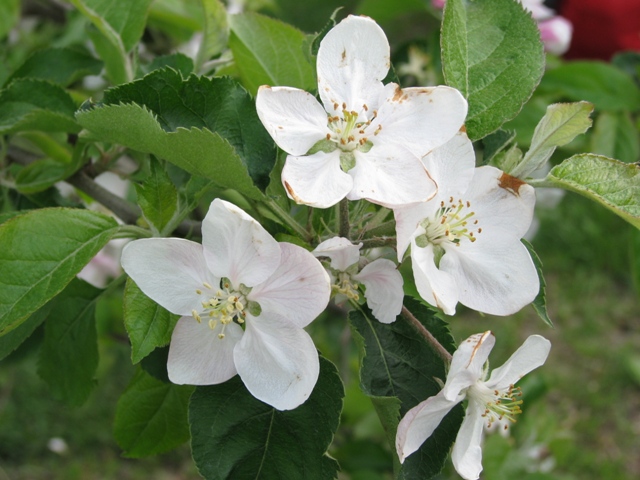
452, 223
499, 405
224, 304
345, 286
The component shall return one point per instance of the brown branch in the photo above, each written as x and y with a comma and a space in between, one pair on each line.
426, 334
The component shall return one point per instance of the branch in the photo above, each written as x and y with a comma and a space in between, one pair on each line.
426, 334
345, 227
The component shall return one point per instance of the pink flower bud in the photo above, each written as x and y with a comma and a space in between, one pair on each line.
556, 34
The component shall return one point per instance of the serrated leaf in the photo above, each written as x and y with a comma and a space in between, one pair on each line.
157, 197
540, 302
231, 143
612, 183
151, 416
178, 61
13, 339
491, 52
69, 354
615, 136
216, 31
560, 125
32, 104
269, 52
41, 252
234, 435
58, 65
397, 362
604, 85
148, 324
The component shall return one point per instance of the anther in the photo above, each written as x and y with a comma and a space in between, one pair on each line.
198, 291
207, 285
195, 315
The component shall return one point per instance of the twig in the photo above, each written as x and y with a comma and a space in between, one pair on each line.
426, 334
345, 227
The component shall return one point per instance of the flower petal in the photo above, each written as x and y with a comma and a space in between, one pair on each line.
277, 361
198, 357
298, 290
316, 180
498, 278
467, 452
451, 166
236, 246
434, 285
340, 250
419, 423
408, 218
467, 363
169, 271
503, 205
419, 119
294, 118
384, 291
532, 354
353, 58
390, 176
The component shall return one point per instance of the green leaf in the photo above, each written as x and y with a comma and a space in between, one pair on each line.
397, 362
495, 143
540, 302
561, 124
615, 136
634, 254
612, 183
157, 197
234, 435
216, 31
40, 253
9, 15
69, 354
148, 324
58, 65
491, 52
40, 175
269, 52
208, 127
151, 416
13, 339
32, 104
177, 61
607, 87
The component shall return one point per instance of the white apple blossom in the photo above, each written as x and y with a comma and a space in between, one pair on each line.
465, 242
244, 300
489, 400
381, 279
366, 138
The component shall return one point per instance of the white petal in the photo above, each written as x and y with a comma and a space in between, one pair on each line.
503, 205
316, 180
452, 166
498, 278
434, 285
298, 290
277, 361
390, 176
169, 271
532, 354
467, 452
236, 246
467, 363
407, 219
198, 357
419, 119
353, 59
294, 118
384, 291
419, 423
340, 250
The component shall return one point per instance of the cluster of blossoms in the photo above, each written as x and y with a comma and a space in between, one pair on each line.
245, 298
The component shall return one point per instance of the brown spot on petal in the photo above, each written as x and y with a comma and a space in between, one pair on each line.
481, 340
344, 55
511, 184
291, 193
397, 96
463, 129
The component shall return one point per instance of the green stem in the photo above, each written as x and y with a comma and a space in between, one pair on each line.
132, 231
426, 334
541, 183
343, 212
287, 219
